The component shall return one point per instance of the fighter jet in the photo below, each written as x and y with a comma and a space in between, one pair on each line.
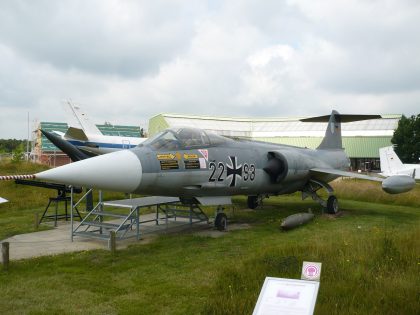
84, 134
392, 165
201, 167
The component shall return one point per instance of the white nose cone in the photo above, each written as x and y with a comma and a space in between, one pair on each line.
117, 171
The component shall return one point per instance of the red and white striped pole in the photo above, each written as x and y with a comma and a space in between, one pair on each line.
13, 177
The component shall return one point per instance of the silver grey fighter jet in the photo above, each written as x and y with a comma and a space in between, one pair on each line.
198, 166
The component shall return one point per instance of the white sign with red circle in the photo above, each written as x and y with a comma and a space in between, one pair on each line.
311, 271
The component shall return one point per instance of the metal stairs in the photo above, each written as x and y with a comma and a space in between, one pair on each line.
97, 223
122, 217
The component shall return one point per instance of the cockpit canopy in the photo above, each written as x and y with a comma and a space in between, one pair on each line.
184, 138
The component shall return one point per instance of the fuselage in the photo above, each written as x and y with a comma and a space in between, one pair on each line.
191, 163
232, 168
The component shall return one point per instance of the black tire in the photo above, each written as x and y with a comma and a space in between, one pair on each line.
221, 221
252, 202
332, 205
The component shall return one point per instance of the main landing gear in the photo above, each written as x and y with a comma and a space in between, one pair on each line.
254, 201
331, 204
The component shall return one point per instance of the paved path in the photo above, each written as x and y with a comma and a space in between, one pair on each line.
58, 240
49, 242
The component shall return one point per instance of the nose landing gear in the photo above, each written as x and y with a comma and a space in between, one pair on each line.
221, 221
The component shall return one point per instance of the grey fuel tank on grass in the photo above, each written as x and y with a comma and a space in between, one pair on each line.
295, 220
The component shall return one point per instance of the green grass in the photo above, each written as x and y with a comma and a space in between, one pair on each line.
363, 190
370, 256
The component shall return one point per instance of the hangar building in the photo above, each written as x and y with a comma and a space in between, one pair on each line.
43, 151
361, 139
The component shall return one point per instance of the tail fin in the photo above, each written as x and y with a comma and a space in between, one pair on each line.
390, 162
332, 139
79, 119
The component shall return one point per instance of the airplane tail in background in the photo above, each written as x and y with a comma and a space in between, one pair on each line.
78, 119
390, 162
332, 139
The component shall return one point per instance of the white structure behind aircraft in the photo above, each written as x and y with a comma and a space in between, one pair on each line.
392, 165
84, 134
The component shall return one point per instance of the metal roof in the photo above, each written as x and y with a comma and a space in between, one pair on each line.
355, 147
44, 143
119, 130
273, 127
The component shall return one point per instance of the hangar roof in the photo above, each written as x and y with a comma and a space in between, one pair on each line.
273, 127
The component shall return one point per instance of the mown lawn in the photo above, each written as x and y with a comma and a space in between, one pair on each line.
370, 256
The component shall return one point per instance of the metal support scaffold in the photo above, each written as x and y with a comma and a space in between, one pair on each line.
125, 217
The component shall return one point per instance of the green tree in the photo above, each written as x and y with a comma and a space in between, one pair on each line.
407, 139
18, 154
9, 145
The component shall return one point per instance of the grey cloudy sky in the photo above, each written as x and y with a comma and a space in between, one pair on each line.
125, 61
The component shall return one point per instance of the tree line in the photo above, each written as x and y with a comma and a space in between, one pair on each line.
11, 145
407, 139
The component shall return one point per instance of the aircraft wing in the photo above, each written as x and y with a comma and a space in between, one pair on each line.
345, 174
395, 184
2, 200
214, 200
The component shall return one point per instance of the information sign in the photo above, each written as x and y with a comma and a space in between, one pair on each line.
287, 296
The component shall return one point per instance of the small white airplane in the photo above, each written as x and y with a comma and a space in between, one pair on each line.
84, 134
392, 165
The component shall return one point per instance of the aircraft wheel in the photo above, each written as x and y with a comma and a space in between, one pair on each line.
252, 202
332, 205
221, 221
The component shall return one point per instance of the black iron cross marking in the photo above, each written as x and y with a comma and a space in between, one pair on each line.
233, 170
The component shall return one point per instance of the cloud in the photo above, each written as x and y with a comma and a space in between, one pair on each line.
126, 38
126, 61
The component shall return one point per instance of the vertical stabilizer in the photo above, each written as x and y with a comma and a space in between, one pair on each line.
79, 119
332, 139
390, 162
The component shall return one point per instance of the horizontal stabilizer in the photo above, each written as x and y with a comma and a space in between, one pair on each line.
2, 200
76, 134
344, 118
